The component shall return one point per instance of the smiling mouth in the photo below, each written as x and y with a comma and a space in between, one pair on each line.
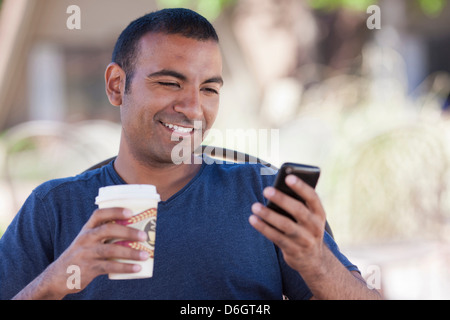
177, 128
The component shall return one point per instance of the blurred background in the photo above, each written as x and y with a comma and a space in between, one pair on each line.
364, 94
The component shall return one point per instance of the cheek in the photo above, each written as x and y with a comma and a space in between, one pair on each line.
135, 106
210, 112
134, 118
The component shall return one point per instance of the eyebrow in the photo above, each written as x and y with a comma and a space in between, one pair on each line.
182, 77
166, 72
218, 80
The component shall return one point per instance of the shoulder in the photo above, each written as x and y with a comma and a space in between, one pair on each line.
241, 172
74, 186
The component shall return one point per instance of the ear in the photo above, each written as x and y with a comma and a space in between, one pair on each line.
115, 80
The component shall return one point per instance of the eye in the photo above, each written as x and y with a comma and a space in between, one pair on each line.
211, 90
169, 84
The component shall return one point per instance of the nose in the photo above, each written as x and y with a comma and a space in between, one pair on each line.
190, 104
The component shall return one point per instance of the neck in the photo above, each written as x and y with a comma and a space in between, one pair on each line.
168, 178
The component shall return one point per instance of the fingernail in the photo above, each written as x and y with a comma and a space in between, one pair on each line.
291, 179
144, 255
127, 213
136, 268
253, 219
142, 235
269, 191
256, 207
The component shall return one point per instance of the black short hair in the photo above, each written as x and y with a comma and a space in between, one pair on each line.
180, 21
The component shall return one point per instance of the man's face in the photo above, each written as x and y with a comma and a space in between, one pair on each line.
176, 84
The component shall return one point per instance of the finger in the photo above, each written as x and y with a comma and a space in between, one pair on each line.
101, 216
274, 219
292, 230
314, 223
109, 231
117, 251
300, 235
113, 266
307, 193
286, 243
297, 209
273, 234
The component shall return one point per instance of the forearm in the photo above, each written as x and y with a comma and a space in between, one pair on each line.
332, 281
42, 288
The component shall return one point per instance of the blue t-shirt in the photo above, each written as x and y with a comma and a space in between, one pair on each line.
205, 247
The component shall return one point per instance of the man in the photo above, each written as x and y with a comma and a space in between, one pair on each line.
166, 77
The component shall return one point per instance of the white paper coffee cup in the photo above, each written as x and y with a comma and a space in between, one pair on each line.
142, 200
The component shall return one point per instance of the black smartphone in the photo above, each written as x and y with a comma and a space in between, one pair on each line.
309, 174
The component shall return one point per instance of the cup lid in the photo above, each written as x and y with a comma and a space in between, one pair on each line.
127, 191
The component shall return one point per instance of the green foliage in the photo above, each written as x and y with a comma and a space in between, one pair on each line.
330, 5
432, 7
429, 7
210, 9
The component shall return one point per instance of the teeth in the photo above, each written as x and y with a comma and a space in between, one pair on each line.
178, 128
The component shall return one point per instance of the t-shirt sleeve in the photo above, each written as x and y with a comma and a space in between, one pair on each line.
25, 248
294, 286
332, 245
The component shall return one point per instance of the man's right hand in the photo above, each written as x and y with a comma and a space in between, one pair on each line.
92, 254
